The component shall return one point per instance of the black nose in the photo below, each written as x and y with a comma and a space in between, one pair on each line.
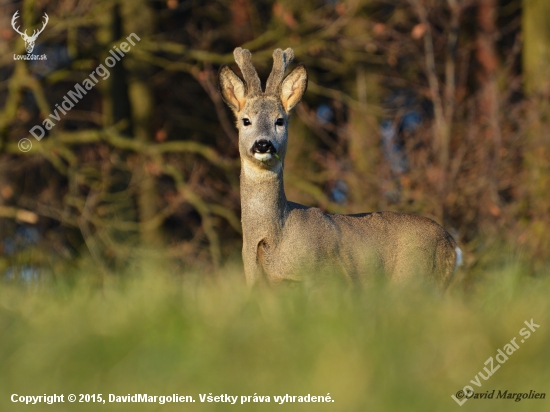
263, 146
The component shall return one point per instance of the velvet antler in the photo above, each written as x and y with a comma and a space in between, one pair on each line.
281, 60
251, 79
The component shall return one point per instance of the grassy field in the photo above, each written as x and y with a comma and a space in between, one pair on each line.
382, 349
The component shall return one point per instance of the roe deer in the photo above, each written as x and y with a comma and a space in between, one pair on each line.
286, 241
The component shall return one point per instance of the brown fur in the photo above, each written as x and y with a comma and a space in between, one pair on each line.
283, 240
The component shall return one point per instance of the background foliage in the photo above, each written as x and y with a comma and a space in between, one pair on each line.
434, 107
431, 107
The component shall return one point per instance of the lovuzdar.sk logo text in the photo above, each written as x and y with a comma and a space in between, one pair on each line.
29, 40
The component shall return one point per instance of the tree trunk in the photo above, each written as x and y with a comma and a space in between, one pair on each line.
488, 99
138, 18
536, 46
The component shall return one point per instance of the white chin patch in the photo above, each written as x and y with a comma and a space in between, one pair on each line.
263, 157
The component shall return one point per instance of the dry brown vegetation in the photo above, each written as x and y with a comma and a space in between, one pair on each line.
148, 159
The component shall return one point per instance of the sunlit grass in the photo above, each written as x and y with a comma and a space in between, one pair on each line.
382, 349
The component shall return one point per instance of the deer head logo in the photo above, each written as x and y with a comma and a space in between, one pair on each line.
29, 40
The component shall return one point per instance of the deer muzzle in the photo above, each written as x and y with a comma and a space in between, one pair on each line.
263, 150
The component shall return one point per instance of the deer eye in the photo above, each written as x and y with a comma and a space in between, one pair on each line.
246, 122
280, 122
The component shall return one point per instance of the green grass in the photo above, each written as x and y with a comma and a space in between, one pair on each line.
382, 349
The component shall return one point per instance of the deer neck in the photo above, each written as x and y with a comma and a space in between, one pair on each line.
263, 202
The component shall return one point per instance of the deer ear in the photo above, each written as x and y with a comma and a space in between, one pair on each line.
293, 87
232, 89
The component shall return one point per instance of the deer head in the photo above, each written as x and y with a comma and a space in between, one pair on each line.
262, 117
29, 40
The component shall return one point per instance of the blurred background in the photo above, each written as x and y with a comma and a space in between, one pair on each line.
432, 107
120, 229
